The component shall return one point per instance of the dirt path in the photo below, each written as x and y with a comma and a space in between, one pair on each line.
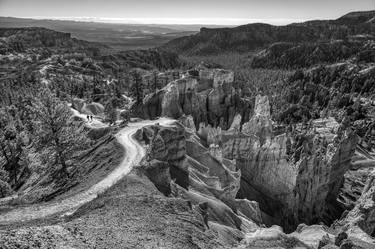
95, 123
134, 153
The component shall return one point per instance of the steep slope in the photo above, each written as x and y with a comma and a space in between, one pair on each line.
36, 44
22, 39
300, 170
131, 214
299, 55
254, 36
134, 154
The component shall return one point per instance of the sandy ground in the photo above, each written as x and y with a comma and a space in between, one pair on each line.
134, 154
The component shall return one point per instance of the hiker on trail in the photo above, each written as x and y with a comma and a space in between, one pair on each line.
91, 117
88, 118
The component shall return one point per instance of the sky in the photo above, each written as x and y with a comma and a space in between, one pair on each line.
221, 12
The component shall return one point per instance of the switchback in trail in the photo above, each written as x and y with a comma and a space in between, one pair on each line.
134, 153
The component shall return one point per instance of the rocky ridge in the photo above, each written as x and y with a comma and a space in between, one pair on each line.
250, 37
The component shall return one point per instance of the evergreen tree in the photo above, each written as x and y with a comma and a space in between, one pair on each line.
125, 116
111, 110
11, 143
137, 86
55, 133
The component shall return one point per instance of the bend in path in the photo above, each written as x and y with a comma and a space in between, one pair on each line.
95, 123
134, 154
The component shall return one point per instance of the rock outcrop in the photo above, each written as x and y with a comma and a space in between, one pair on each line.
295, 176
209, 98
180, 165
260, 124
361, 219
165, 156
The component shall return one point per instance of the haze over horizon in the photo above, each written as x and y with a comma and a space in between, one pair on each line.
220, 12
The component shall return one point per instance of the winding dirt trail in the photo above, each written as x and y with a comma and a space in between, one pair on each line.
95, 123
134, 153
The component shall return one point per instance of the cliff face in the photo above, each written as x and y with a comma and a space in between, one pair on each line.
20, 39
181, 166
257, 35
361, 219
295, 175
208, 98
237, 181
292, 55
165, 156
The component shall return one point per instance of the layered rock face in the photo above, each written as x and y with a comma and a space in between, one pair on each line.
253, 36
361, 219
165, 156
20, 39
181, 166
294, 176
207, 95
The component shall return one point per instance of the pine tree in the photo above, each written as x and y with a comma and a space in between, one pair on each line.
11, 143
55, 133
110, 110
137, 87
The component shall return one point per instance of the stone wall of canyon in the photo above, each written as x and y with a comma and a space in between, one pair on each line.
230, 152
295, 176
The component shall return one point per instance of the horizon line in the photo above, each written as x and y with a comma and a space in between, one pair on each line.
170, 21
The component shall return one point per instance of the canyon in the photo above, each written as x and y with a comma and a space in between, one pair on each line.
285, 176
180, 151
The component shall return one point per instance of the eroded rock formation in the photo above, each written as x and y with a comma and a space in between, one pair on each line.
361, 219
293, 173
207, 95
295, 176
181, 166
